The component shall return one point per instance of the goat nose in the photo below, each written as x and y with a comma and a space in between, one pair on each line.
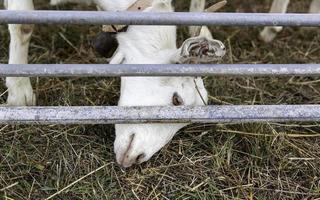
131, 156
129, 160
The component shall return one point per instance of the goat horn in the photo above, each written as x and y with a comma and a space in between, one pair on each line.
216, 6
213, 8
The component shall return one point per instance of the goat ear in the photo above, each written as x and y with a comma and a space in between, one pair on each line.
177, 99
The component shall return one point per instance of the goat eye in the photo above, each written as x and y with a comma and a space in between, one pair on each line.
177, 100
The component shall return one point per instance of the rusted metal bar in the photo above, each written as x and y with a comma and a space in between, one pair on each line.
199, 114
88, 70
151, 18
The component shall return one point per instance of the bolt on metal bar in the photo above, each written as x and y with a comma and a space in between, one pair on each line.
124, 115
106, 70
148, 18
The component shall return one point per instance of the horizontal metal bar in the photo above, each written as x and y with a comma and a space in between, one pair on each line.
148, 18
201, 114
106, 70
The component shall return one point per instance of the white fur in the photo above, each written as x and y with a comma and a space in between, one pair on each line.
136, 143
20, 92
281, 6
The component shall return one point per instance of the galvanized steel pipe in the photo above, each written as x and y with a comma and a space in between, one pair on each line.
151, 18
200, 114
105, 70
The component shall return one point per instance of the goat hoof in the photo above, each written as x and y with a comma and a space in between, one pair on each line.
23, 97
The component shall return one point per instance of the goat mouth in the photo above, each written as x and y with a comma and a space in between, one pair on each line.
140, 158
125, 154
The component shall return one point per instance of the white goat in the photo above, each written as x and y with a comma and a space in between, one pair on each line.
20, 92
281, 6
136, 143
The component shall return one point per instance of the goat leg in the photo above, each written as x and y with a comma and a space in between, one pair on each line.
20, 92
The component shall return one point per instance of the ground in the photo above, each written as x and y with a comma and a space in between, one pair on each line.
228, 161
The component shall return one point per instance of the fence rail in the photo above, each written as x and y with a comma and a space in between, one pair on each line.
203, 114
106, 70
145, 18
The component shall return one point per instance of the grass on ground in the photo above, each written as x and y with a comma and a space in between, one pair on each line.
228, 161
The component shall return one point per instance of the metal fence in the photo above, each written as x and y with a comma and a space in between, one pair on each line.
114, 114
